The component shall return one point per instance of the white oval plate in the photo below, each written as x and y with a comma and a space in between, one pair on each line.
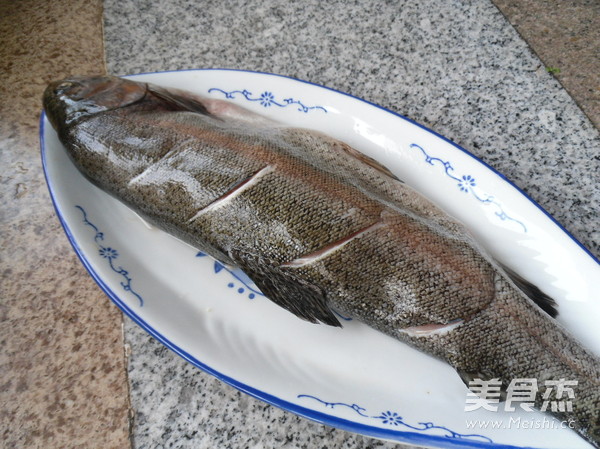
352, 378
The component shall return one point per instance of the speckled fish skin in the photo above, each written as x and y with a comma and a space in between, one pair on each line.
317, 226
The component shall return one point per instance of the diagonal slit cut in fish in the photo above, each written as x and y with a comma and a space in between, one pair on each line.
234, 191
331, 247
431, 329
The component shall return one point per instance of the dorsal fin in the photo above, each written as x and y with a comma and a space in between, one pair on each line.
281, 286
368, 161
545, 302
180, 102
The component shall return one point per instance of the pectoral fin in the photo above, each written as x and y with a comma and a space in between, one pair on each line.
304, 300
472, 380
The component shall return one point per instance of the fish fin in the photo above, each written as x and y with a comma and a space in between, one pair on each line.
368, 161
304, 300
545, 302
469, 376
179, 102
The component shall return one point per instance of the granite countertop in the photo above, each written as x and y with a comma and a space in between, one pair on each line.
458, 68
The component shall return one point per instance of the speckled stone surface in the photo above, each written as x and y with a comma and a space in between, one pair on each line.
456, 67
566, 36
62, 367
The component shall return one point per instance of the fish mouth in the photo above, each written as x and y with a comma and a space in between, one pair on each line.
69, 100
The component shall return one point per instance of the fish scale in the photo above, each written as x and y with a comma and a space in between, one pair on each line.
316, 223
394, 260
319, 226
160, 186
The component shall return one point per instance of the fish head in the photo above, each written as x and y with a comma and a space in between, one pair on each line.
72, 99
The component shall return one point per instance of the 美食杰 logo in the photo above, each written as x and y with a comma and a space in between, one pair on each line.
556, 395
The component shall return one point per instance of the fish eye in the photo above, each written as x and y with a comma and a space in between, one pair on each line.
63, 86
66, 88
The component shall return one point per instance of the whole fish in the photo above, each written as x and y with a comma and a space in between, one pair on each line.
319, 227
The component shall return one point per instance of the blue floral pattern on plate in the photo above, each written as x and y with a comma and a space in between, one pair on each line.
394, 419
467, 184
267, 99
110, 254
